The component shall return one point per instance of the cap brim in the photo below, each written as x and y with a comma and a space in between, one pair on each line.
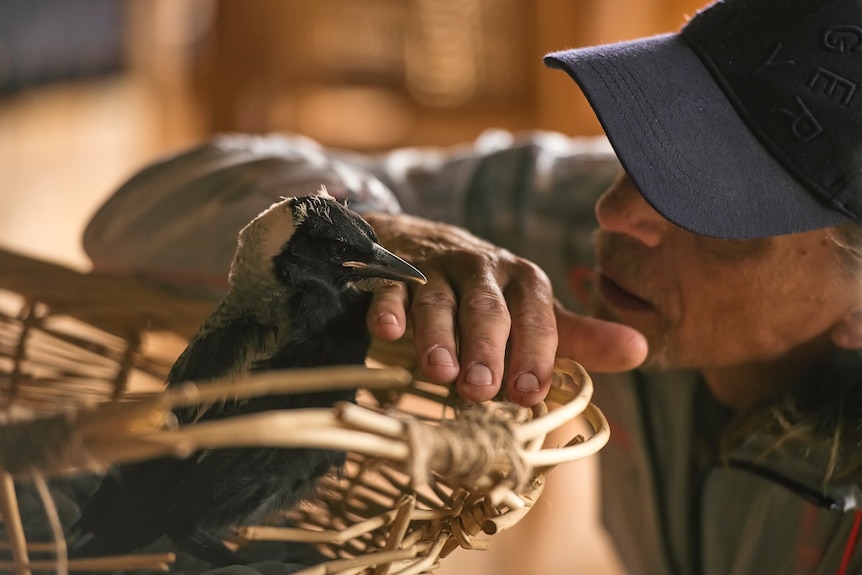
684, 146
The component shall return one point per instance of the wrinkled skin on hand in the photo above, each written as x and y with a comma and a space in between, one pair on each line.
487, 318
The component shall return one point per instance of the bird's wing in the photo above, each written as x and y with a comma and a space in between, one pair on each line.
139, 502
223, 351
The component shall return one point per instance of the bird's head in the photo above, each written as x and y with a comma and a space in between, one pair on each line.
315, 242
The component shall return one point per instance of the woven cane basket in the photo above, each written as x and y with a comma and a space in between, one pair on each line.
82, 361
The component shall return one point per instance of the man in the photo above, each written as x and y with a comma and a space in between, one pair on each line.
728, 261
740, 139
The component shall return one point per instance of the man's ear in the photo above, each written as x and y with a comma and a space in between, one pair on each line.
847, 332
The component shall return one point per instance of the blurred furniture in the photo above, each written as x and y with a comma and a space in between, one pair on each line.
383, 73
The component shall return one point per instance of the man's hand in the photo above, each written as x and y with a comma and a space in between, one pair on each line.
482, 305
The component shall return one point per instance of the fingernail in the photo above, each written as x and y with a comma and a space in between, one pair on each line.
387, 319
527, 383
440, 356
479, 375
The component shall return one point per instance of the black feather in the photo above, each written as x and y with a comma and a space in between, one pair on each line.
299, 306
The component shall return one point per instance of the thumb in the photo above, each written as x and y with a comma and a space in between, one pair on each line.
600, 346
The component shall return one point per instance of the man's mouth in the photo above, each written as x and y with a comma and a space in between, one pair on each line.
617, 296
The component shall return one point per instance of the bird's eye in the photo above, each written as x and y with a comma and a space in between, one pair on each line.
338, 250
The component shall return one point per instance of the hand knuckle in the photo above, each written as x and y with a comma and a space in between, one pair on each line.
535, 321
531, 273
434, 299
485, 303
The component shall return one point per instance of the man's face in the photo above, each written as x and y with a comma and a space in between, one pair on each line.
709, 303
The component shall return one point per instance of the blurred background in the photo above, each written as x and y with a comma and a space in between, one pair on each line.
91, 90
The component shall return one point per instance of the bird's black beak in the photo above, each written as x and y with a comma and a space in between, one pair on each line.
385, 264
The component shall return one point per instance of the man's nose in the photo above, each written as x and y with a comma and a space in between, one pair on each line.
622, 209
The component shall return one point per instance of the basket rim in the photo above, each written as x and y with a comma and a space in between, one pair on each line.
114, 302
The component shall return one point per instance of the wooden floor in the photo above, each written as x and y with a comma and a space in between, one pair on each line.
63, 151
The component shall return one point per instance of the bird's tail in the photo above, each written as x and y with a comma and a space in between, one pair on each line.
107, 527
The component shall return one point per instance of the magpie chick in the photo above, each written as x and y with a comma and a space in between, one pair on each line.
300, 286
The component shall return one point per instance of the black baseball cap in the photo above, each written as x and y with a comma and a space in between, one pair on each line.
745, 124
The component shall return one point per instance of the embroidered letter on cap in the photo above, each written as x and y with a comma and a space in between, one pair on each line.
832, 85
843, 39
772, 61
804, 126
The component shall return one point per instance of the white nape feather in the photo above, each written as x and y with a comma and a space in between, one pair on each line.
259, 241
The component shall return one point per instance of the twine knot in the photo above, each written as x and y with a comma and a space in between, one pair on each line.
477, 445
